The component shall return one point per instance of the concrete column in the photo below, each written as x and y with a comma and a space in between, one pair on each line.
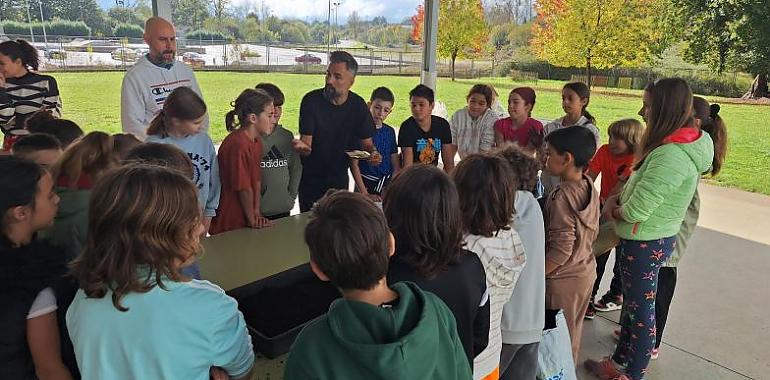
162, 8
428, 72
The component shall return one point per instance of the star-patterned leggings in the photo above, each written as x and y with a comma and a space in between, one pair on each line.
640, 262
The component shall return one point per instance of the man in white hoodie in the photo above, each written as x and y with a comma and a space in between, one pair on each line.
148, 83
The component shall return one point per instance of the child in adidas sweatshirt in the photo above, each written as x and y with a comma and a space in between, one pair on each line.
281, 166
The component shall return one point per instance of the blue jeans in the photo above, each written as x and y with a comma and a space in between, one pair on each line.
640, 262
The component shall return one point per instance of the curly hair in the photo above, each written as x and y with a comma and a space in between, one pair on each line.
143, 221
525, 168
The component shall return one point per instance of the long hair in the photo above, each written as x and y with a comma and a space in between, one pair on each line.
715, 126
250, 101
92, 155
18, 186
487, 190
21, 49
142, 222
423, 212
583, 92
671, 109
182, 104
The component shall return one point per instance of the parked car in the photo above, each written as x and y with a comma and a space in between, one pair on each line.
193, 58
124, 54
54, 53
308, 58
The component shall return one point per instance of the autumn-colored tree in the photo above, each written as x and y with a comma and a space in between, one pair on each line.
596, 33
462, 29
417, 24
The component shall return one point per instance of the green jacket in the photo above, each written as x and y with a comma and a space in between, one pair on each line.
685, 233
414, 339
70, 227
656, 197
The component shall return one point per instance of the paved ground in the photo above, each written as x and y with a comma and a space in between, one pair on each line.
718, 323
717, 326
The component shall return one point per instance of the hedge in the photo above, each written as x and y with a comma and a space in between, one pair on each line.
202, 34
128, 30
52, 28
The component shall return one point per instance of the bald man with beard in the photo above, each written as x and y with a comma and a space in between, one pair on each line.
148, 83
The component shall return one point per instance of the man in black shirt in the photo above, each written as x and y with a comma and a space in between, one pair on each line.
332, 120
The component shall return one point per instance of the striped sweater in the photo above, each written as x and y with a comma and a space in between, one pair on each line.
24, 95
503, 258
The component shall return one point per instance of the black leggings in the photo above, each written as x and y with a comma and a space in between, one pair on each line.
666, 286
601, 263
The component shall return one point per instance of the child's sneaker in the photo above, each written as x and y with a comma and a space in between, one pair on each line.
609, 303
590, 312
654, 354
605, 369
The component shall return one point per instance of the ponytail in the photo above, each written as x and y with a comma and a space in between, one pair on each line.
230, 123
158, 125
21, 49
183, 104
714, 125
589, 116
250, 101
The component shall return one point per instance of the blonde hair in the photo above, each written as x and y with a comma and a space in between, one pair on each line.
628, 130
142, 222
92, 155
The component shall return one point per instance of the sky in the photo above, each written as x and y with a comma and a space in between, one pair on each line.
394, 10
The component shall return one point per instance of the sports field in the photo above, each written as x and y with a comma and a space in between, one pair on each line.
93, 101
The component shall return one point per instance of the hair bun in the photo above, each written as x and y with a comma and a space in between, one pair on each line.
714, 108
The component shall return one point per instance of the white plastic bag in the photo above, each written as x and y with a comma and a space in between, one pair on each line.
554, 355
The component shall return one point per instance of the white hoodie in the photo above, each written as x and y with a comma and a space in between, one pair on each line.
503, 258
524, 315
145, 88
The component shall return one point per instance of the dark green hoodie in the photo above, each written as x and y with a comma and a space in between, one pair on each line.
416, 338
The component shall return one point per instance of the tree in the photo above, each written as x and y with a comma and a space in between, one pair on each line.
594, 33
728, 34
124, 15
219, 8
417, 24
753, 29
355, 26
189, 14
379, 21
462, 29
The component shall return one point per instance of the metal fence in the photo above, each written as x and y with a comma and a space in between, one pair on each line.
81, 53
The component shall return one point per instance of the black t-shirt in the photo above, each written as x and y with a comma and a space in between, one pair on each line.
463, 287
335, 129
426, 145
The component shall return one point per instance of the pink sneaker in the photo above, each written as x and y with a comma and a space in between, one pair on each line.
605, 369
654, 354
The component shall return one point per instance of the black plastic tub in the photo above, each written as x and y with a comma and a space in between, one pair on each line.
278, 307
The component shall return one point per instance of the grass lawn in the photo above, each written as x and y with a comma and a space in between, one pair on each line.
93, 101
